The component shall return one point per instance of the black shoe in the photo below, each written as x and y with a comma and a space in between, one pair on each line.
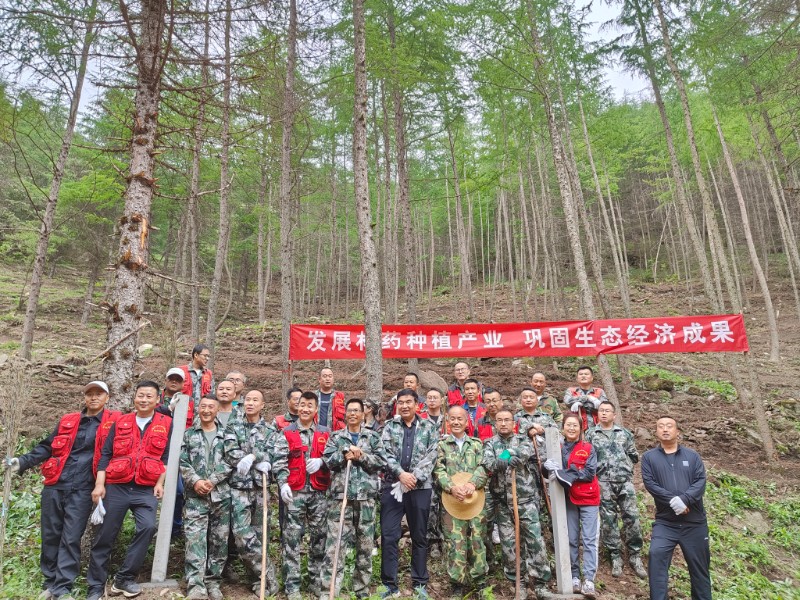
128, 588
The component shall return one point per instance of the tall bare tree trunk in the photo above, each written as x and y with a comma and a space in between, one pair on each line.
126, 302
46, 228
461, 234
369, 262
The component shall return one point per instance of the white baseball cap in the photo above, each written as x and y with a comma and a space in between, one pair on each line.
176, 371
93, 384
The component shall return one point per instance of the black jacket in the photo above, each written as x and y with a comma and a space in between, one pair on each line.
680, 474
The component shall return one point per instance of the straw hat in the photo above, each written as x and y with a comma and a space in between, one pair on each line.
472, 505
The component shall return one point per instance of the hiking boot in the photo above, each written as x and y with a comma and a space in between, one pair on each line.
390, 593
197, 594
616, 566
638, 566
576, 585
128, 588
588, 590
420, 593
214, 593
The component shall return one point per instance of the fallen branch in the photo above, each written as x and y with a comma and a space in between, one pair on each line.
118, 342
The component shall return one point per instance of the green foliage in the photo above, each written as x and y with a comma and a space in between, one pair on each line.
718, 387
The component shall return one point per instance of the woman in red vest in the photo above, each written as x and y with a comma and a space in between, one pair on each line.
582, 492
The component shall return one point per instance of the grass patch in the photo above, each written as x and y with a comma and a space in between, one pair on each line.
717, 387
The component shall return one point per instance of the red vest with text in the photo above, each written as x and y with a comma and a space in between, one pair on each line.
188, 389
137, 457
321, 480
65, 438
583, 493
595, 393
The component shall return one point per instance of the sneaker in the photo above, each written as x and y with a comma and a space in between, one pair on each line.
128, 588
214, 593
389, 593
420, 593
616, 566
638, 566
496, 535
588, 590
576, 585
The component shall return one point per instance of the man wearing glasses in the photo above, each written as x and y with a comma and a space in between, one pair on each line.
198, 380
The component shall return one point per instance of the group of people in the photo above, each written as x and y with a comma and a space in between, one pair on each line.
460, 466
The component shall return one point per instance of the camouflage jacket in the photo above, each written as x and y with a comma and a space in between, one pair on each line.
364, 474
280, 452
451, 460
500, 480
423, 453
243, 438
195, 466
549, 405
587, 398
616, 453
527, 420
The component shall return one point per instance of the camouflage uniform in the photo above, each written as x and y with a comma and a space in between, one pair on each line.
206, 518
549, 405
533, 554
359, 517
435, 535
466, 553
616, 455
307, 510
243, 438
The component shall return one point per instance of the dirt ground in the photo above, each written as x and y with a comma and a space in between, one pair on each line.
722, 431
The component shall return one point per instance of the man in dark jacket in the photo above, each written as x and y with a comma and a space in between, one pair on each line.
676, 478
70, 462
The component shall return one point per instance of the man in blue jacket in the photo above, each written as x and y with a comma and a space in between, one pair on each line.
676, 478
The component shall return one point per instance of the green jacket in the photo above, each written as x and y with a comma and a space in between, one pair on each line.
539, 417
364, 473
423, 454
451, 460
616, 453
520, 447
196, 465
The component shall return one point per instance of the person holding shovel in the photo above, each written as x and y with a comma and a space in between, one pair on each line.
505, 456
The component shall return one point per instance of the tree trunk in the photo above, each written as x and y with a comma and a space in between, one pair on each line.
126, 302
461, 234
46, 228
369, 263
94, 273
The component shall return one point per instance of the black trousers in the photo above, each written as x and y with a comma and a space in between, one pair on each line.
120, 498
415, 506
65, 513
693, 540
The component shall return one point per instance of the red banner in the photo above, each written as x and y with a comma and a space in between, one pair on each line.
707, 333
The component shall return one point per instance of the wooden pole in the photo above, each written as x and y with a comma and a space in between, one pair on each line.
518, 588
264, 499
332, 590
545, 491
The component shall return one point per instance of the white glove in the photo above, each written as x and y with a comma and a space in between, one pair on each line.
551, 465
313, 465
286, 493
595, 403
397, 491
99, 513
552, 477
576, 407
244, 464
173, 402
677, 505
12, 464
264, 466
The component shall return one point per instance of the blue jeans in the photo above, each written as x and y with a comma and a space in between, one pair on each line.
583, 523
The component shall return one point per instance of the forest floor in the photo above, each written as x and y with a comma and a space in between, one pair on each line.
713, 420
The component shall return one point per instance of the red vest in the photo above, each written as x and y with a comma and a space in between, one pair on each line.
188, 389
455, 398
337, 412
282, 422
596, 393
65, 438
138, 458
583, 493
321, 480
471, 429
486, 430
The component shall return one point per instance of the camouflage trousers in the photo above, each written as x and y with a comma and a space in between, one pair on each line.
358, 534
466, 552
435, 534
619, 499
307, 512
533, 554
206, 525
246, 520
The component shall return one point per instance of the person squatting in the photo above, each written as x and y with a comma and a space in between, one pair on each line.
453, 467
